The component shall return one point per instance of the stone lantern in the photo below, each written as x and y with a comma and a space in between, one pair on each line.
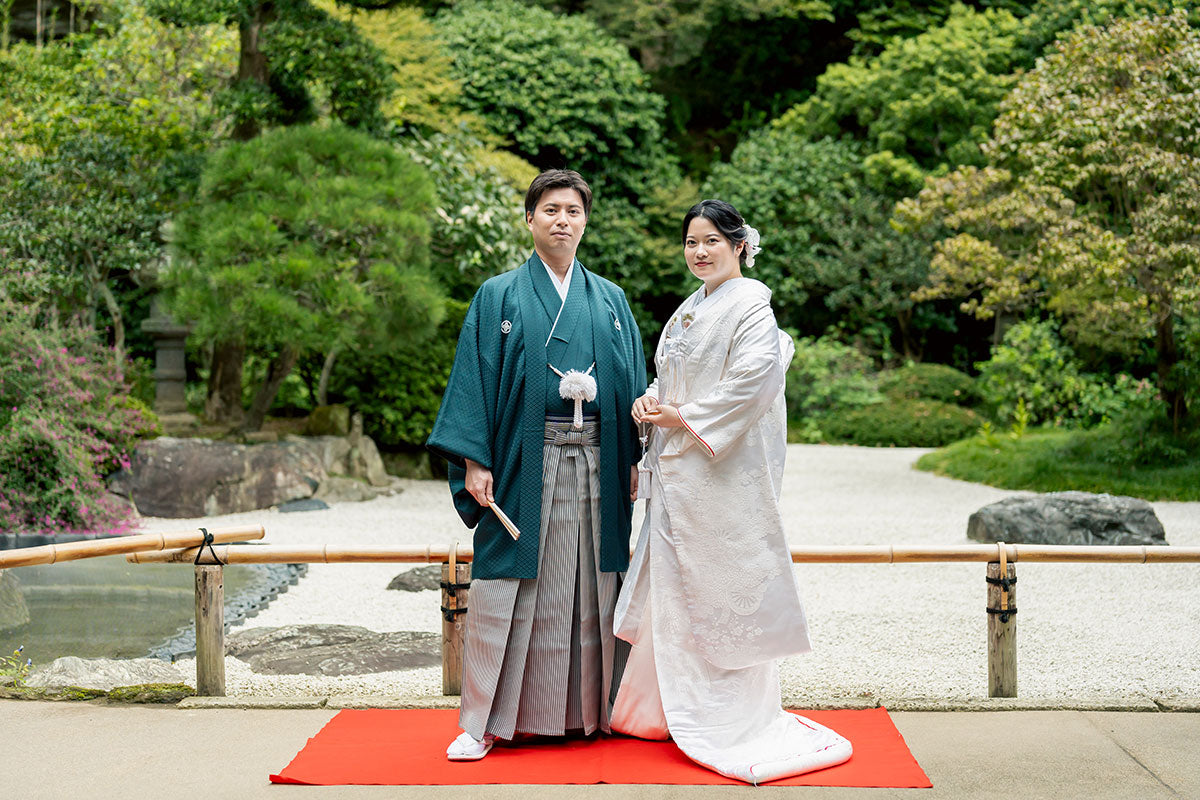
170, 373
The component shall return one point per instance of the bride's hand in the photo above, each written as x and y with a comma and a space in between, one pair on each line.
643, 407
665, 417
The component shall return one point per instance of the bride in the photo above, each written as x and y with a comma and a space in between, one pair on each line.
710, 601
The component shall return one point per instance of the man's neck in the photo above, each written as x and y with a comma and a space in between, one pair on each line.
559, 269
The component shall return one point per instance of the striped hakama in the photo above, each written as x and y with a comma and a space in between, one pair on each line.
538, 653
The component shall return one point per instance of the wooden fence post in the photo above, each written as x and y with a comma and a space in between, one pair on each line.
456, 578
1002, 630
210, 631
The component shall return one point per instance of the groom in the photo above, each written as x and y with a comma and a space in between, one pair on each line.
539, 649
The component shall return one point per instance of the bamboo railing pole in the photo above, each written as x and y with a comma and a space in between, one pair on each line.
902, 554
210, 631
277, 554
117, 545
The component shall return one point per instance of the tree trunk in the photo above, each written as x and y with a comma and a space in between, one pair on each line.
1167, 352
114, 310
908, 343
224, 402
326, 370
279, 368
252, 65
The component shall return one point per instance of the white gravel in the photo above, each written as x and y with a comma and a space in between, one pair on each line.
882, 633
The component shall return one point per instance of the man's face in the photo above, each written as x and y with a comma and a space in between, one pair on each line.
557, 224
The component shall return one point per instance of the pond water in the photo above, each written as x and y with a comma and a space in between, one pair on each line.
110, 608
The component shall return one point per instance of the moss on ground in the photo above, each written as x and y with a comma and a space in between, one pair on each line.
1086, 461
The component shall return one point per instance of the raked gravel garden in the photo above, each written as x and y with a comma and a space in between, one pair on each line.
901, 635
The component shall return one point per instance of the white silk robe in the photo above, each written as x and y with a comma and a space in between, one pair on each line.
710, 601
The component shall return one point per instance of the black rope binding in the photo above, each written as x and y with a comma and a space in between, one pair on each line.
208, 542
1005, 584
1003, 612
452, 589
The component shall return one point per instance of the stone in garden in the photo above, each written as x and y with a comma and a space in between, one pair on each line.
352, 490
1069, 518
331, 420
332, 650
13, 611
418, 579
349, 457
198, 478
307, 504
103, 673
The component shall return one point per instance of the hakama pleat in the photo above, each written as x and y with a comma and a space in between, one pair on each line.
538, 653
729, 720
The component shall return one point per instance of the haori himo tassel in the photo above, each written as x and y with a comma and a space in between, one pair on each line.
577, 386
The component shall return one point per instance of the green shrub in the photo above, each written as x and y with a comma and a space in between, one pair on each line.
66, 421
901, 423
1033, 364
930, 382
399, 391
827, 375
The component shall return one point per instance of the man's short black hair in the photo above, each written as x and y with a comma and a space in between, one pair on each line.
558, 179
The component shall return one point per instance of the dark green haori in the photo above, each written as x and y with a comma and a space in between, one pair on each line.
501, 388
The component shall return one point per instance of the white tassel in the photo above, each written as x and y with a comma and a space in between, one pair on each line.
577, 386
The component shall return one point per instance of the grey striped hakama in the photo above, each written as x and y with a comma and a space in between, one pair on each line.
538, 653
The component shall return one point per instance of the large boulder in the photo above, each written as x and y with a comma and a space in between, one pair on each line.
13, 611
200, 478
332, 650
103, 673
1068, 518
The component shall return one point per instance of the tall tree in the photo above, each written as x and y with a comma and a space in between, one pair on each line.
304, 239
295, 63
1091, 201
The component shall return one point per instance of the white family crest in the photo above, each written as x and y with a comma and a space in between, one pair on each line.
505, 326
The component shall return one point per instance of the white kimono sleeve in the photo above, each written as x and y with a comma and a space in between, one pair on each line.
753, 378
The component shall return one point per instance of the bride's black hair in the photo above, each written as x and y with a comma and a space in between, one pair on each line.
724, 218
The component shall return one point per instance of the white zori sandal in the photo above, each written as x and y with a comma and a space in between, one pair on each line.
467, 748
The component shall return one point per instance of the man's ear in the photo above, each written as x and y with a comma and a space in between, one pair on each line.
529, 220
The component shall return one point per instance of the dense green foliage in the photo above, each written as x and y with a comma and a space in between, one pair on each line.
66, 421
1137, 457
930, 382
922, 102
1034, 370
89, 214
829, 255
1090, 205
307, 238
561, 90
400, 389
826, 375
477, 228
901, 423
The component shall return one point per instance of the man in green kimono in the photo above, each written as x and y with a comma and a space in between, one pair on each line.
536, 419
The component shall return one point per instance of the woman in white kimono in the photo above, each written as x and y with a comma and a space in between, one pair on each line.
710, 602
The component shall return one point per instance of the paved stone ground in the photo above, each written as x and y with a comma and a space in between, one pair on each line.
904, 635
54, 751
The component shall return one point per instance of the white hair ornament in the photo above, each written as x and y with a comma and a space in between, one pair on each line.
752, 247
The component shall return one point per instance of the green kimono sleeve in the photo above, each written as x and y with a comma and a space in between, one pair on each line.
464, 425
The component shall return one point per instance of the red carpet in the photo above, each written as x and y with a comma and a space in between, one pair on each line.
408, 747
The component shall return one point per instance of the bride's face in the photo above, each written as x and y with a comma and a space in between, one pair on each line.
710, 256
